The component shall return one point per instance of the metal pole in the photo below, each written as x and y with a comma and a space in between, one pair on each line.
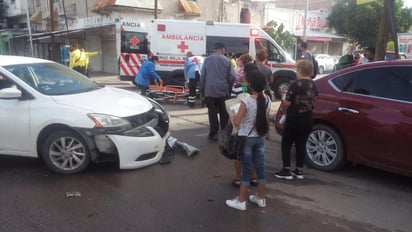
306, 18
155, 9
51, 30
29, 27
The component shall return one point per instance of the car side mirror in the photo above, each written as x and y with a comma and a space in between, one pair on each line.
10, 93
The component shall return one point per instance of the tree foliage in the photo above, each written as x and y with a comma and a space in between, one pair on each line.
285, 39
361, 22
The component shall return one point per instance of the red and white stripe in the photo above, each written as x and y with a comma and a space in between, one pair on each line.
132, 67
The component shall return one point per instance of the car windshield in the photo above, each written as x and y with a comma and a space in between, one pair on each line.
52, 78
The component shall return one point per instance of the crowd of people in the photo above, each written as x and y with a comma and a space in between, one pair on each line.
222, 76
219, 82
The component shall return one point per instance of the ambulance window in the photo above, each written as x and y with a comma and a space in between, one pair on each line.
273, 52
236, 45
134, 42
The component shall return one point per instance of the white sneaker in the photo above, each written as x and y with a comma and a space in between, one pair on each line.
236, 204
258, 201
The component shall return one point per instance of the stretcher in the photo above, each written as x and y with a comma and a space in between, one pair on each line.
168, 93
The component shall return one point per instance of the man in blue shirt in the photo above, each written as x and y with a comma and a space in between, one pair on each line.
192, 68
146, 72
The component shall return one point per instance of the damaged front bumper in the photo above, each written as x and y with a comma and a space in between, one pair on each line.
140, 144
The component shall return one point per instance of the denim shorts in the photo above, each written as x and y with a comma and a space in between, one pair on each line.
253, 154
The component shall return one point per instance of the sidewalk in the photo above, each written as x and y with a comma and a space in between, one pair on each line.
109, 79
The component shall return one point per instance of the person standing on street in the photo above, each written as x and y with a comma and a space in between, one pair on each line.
77, 59
304, 52
192, 68
369, 55
145, 74
300, 101
87, 59
216, 81
307, 55
241, 62
253, 125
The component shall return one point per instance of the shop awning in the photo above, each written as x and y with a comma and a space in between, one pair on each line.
36, 17
320, 36
189, 7
104, 6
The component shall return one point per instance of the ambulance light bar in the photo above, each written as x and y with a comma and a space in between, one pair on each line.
161, 27
254, 32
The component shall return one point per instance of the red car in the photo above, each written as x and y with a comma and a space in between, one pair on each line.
363, 114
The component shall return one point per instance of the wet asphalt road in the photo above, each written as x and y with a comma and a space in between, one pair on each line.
189, 193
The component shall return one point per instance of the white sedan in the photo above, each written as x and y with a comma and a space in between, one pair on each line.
52, 112
326, 63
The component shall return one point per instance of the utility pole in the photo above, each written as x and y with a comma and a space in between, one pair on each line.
305, 20
155, 9
383, 33
29, 27
52, 42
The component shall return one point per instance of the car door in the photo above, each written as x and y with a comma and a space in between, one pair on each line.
14, 122
375, 115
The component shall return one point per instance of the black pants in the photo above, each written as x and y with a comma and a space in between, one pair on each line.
216, 106
296, 130
192, 89
142, 89
81, 70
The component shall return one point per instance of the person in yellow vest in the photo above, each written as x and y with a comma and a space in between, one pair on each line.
77, 59
87, 58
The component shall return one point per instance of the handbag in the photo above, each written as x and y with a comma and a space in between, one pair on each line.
227, 143
230, 146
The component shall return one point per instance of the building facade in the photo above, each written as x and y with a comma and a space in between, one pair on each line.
94, 24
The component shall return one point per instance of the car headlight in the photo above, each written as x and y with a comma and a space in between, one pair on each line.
109, 121
159, 110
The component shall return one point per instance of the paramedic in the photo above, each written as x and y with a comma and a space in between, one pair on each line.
147, 72
192, 69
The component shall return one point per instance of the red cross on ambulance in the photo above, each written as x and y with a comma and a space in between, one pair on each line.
134, 41
182, 46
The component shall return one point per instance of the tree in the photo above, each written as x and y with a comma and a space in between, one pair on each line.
285, 39
361, 22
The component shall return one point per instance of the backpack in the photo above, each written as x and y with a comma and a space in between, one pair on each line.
315, 67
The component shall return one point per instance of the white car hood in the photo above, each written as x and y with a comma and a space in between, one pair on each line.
107, 100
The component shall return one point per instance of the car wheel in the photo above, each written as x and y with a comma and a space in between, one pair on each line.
65, 152
324, 149
321, 70
280, 86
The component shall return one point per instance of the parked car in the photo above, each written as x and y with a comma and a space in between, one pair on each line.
345, 61
363, 114
59, 115
390, 55
326, 63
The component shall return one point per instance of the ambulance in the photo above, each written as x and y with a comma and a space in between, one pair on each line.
172, 39
134, 48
